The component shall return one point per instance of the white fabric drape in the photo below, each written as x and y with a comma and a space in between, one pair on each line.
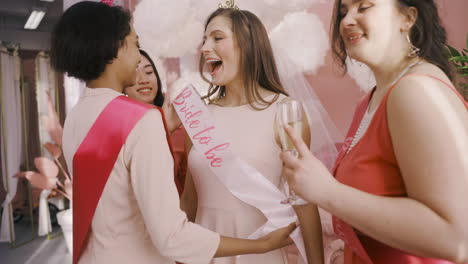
11, 137
45, 83
44, 226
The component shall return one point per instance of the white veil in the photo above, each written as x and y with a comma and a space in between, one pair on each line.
324, 137
324, 134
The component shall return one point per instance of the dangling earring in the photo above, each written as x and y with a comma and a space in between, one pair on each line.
414, 51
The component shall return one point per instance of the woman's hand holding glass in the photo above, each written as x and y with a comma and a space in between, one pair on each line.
290, 112
306, 175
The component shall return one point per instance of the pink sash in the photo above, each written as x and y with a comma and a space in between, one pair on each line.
95, 159
242, 180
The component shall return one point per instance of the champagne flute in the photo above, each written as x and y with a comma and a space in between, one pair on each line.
291, 112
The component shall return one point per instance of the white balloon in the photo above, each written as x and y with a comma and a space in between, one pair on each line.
166, 29
272, 12
303, 38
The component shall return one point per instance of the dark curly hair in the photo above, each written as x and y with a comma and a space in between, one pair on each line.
159, 99
87, 38
427, 34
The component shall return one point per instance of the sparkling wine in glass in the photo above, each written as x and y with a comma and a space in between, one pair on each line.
291, 112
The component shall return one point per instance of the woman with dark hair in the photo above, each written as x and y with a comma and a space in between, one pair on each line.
125, 203
148, 87
399, 185
245, 89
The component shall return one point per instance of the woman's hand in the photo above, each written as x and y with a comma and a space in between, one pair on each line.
278, 238
172, 119
229, 246
306, 175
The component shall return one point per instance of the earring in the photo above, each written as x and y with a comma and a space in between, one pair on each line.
414, 51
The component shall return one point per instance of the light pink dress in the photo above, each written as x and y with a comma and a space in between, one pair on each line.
251, 133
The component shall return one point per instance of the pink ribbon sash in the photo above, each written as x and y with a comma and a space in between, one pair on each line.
241, 179
94, 160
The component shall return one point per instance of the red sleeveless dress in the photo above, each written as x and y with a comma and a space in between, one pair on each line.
371, 166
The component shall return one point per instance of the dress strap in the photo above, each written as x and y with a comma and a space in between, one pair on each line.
432, 77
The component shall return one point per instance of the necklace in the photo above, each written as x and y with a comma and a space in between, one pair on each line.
367, 118
396, 79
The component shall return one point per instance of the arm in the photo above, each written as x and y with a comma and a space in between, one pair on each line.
311, 230
429, 129
229, 246
147, 156
333, 246
172, 119
150, 164
189, 199
308, 215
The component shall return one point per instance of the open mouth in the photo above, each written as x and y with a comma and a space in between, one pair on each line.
214, 65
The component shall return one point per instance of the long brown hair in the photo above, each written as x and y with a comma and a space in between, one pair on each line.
257, 63
427, 34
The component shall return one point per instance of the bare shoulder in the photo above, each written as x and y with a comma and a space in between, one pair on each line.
423, 109
425, 86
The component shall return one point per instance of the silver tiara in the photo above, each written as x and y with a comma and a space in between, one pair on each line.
228, 4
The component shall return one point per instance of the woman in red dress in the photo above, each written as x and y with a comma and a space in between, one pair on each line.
398, 190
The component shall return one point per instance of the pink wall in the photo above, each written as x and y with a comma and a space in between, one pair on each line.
453, 13
340, 94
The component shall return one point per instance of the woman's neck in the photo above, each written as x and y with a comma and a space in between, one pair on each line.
107, 80
236, 94
387, 72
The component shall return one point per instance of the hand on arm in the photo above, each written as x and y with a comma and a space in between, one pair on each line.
235, 246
